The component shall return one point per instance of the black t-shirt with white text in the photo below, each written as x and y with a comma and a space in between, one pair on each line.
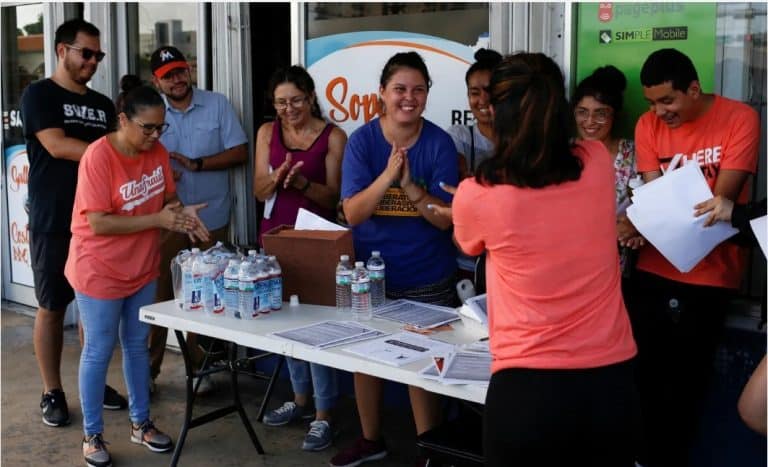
52, 181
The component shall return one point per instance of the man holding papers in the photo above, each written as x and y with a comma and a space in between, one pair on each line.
677, 316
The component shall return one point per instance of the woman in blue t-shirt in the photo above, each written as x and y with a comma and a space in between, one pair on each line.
391, 171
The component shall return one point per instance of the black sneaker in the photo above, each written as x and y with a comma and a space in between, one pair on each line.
54, 405
113, 400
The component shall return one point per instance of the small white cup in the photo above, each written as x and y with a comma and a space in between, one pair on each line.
294, 300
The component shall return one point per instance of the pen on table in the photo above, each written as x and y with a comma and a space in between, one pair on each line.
483, 339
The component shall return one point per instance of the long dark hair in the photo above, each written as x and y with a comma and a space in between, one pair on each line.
532, 121
300, 78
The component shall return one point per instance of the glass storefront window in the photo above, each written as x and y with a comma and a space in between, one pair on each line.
23, 63
161, 24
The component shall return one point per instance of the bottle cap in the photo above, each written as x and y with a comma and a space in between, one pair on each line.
358, 264
375, 253
294, 300
344, 257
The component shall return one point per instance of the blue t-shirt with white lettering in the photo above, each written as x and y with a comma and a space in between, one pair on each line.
416, 252
52, 181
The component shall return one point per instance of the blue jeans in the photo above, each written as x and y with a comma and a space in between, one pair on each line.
321, 377
102, 320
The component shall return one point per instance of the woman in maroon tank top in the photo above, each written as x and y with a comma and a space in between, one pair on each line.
298, 162
298, 156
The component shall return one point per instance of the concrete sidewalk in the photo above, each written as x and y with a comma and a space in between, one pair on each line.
27, 441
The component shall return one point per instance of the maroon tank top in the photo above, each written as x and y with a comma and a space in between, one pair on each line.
290, 200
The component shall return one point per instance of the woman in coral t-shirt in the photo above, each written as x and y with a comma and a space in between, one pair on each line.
125, 195
562, 391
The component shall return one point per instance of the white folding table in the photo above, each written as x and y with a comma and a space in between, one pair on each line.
256, 334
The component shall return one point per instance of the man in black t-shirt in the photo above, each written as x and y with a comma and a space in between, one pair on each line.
61, 116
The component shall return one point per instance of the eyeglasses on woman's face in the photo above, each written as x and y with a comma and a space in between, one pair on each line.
87, 53
149, 128
598, 115
295, 103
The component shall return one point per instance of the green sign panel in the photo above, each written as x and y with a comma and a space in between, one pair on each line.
624, 34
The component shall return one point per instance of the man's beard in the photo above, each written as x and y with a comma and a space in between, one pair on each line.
182, 97
75, 72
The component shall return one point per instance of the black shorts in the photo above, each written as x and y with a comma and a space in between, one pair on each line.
49, 255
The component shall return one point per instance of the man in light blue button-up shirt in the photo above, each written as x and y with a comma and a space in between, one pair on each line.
204, 139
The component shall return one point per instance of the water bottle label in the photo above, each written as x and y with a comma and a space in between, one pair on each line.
343, 279
376, 275
361, 287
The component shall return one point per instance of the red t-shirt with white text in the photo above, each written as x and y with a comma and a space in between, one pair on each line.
726, 137
116, 266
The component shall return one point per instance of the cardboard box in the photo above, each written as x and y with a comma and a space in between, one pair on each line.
308, 259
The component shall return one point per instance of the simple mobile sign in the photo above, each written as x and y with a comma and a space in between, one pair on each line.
17, 176
624, 34
346, 69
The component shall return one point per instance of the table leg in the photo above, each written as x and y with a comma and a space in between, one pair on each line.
190, 400
236, 398
270, 387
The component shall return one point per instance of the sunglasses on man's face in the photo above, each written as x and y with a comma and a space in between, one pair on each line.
87, 53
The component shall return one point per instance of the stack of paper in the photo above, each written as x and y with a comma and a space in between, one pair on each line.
400, 349
418, 315
330, 333
470, 365
662, 211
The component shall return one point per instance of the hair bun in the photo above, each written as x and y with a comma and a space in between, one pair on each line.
611, 77
128, 82
488, 55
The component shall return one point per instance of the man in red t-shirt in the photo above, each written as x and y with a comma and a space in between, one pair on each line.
677, 317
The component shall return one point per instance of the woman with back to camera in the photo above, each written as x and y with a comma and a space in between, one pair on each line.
597, 103
125, 195
393, 167
305, 152
561, 391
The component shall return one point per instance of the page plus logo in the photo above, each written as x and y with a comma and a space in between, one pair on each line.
605, 36
605, 12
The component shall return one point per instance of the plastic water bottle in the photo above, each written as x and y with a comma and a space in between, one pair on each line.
361, 292
177, 277
246, 278
276, 278
191, 282
376, 271
344, 284
262, 288
232, 288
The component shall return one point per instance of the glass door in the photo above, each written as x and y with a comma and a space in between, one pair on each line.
21, 45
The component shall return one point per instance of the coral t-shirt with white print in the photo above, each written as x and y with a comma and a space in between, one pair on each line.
116, 266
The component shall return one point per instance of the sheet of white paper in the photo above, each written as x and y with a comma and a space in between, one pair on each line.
663, 213
269, 204
759, 227
326, 333
467, 368
306, 220
400, 349
420, 315
476, 309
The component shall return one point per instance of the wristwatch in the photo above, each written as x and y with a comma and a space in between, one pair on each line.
198, 164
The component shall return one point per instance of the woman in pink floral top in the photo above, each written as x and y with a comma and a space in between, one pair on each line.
598, 99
